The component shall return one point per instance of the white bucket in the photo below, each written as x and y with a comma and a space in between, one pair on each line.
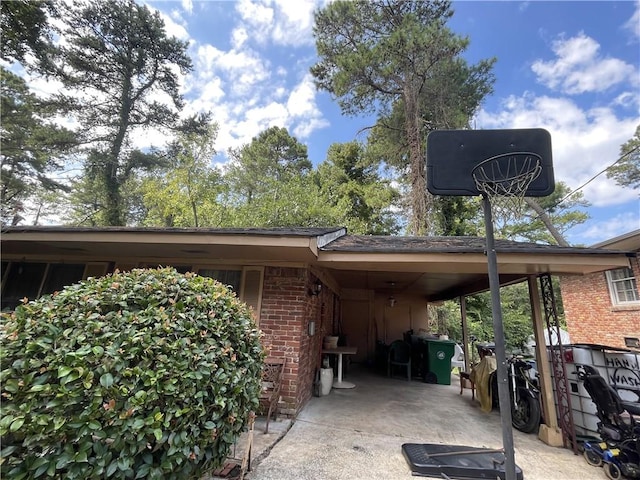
326, 380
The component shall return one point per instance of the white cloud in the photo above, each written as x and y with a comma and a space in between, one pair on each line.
301, 101
633, 24
294, 22
238, 37
284, 22
579, 68
174, 25
584, 142
302, 104
258, 16
243, 69
187, 5
611, 228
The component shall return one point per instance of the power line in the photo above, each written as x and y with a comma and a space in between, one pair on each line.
622, 157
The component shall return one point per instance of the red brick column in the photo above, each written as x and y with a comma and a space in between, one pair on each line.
287, 309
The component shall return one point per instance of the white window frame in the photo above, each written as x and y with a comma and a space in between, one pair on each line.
613, 291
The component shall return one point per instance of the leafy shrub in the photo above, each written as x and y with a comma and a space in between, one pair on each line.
145, 374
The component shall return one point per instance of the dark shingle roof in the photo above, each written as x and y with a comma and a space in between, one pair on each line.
277, 231
398, 244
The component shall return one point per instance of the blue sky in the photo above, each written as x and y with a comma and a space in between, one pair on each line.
569, 67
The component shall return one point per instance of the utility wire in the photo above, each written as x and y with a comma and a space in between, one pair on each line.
622, 157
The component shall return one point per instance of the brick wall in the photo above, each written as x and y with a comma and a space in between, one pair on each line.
591, 316
287, 309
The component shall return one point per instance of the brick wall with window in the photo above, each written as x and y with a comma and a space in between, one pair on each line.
603, 308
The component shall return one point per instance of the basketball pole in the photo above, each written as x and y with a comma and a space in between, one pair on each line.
498, 330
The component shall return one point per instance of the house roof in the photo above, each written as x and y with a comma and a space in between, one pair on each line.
380, 243
629, 241
435, 267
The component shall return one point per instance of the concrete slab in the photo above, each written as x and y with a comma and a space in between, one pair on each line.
358, 434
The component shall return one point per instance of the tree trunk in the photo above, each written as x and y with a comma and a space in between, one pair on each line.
113, 183
419, 197
557, 236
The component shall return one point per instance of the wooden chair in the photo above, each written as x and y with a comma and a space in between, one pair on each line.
272, 373
238, 461
466, 377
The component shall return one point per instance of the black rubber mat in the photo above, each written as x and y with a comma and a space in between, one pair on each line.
455, 461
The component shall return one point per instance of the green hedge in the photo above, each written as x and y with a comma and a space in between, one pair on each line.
144, 374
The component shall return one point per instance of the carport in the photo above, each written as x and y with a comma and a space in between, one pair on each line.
421, 271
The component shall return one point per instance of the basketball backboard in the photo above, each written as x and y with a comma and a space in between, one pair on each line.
453, 154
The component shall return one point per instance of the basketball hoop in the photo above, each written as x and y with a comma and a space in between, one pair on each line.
505, 179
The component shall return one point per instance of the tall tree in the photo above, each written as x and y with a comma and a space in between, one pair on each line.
272, 155
186, 193
626, 172
32, 146
351, 184
385, 55
271, 184
119, 69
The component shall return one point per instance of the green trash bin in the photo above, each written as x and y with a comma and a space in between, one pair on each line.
439, 355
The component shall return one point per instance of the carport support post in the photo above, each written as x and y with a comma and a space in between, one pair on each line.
549, 432
498, 330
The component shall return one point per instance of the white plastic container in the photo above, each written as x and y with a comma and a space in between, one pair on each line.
326, 381
619, 367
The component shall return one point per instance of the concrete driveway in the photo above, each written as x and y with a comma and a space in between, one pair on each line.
358, 434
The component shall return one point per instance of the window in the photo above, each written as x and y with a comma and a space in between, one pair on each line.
245, 281
33, 279
23, 280
623, 287
59, 275
230, 278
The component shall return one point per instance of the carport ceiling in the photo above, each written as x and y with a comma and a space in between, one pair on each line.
432, 286
441, 268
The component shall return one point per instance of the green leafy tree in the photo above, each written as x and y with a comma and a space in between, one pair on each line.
626, 172
116, 63
391, 57
186, 193
85, 202
294, 202
458, 216
546, 219
33, 147
272, 155
270, 184
352, 186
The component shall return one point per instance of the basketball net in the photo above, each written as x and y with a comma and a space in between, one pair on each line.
505, 179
